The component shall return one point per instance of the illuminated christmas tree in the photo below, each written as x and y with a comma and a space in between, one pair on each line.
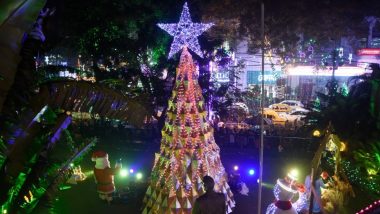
188, 149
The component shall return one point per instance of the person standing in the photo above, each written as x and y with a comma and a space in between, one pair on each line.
317, 192
210, 202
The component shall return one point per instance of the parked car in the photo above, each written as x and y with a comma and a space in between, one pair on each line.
276, 118
235, 125
280, 107
293, 103
296, 115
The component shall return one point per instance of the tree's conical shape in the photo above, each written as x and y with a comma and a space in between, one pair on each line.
188, 149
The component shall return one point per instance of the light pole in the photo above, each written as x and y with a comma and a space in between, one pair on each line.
262, 111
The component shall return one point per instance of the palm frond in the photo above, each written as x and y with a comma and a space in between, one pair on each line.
16, 17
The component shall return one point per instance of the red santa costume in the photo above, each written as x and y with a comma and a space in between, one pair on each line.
104, 175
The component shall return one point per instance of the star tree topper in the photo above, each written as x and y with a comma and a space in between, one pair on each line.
185, 33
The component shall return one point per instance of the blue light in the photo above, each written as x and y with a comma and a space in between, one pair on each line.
236, 167
131, 171
251, 172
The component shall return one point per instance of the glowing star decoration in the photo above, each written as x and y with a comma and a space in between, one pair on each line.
185, 33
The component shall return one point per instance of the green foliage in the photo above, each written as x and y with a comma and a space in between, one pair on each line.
94, 40
237, 19
14, 191
358, 176
252, 98
121, 29
18, 184
56, 167
350, 117
42, 163
344, 90
3, 148
369, 160
48, 117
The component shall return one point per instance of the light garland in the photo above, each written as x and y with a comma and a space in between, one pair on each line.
354, 176
185, 33
285, 187
370, 208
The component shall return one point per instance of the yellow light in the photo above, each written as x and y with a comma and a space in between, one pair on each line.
371, 171
124, 173
139, 176
316, 133
89, 173
342, 147
293, 174
4, 211
31, 195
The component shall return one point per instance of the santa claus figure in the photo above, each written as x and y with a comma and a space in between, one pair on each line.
283, 192
104, 175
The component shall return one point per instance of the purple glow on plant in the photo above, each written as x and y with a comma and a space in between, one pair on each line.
57, 134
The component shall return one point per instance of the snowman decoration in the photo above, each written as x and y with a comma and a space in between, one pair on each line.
284, 190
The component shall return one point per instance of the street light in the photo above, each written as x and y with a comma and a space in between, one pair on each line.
262, 111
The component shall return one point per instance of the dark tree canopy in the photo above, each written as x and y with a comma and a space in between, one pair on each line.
325, 21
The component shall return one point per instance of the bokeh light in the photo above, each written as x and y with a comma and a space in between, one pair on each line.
316, 133
293, 174
124, 173
251, 172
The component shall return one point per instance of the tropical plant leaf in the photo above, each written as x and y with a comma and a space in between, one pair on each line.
16, 17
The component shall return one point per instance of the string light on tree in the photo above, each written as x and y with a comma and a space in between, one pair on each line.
372, 208
188, 150
355, 176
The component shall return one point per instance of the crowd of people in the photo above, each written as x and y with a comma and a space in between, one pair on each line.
228, 139
285, 144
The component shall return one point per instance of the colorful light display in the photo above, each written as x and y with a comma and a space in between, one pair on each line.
185, 33
356, 177
188, 150
283, 192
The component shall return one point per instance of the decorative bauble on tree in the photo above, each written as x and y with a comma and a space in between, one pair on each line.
188, 149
